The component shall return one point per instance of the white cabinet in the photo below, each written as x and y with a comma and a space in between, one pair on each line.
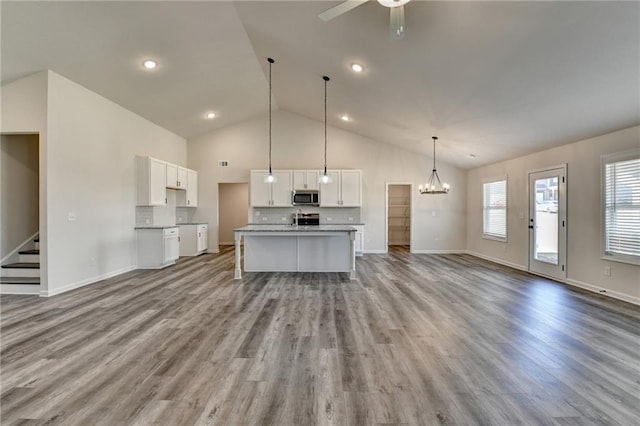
151, 178
359, 241
176, 177
351, 188
157, 247
188, 198
194, 239
344, 190
275, 194
305, 179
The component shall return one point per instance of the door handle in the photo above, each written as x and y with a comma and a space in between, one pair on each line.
530, 226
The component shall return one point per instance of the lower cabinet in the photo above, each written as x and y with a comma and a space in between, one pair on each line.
194, 239
157, 247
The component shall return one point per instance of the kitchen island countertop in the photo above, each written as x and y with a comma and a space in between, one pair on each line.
296, 228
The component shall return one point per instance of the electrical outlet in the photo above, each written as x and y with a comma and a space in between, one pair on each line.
607, 271
433, 213
92, 261
329, 219
350, 219
284, 219
264, 218
521, 216
71, 217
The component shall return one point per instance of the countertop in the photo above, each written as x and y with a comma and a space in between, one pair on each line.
293, 228
156, 227
327, 224
191, 223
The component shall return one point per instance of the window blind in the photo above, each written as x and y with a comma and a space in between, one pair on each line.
622, 208
495, 209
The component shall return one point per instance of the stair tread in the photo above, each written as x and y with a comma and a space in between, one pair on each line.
20, 280
36, 251
23, 265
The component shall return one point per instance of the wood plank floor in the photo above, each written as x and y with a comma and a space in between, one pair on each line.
417, 339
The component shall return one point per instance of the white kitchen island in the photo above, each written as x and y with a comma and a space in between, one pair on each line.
290, 248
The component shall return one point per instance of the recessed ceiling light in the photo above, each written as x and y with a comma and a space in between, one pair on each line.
345, 117
210, 114
357, 68
149, 64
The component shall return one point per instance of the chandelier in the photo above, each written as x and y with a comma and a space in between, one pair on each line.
434, 185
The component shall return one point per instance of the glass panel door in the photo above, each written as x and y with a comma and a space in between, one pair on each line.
547, 223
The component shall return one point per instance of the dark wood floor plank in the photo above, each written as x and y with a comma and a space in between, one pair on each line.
416, 339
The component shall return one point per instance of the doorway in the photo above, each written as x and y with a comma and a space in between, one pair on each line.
398, 214
548, 222
233, 210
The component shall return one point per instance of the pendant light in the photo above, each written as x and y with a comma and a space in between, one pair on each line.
270, 178
433, 184
325, 178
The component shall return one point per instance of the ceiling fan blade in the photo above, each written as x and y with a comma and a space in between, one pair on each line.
396, 22
338, 10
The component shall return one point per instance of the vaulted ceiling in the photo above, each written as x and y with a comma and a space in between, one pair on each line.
492, 79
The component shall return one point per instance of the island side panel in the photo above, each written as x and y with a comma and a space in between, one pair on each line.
324, 253
270, 253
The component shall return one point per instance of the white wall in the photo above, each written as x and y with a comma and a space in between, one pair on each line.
439, 221
24, 110
19, 192
584, 264
90, 173
87, 150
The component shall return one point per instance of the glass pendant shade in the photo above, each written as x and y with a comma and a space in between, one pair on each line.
270, 178
434, 185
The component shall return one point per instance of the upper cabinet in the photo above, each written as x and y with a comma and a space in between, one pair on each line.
305, 179
151, 182
176, 177
275, 194
154, 176
188, 198
344, 190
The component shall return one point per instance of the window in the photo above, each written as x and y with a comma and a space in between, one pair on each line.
621, 202
495, 210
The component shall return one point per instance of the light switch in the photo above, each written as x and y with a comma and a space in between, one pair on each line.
71, 216
521, 215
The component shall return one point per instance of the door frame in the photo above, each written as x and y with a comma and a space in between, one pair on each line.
563, 223
386, 214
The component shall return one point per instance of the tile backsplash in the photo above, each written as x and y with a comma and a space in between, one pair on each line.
271, 215
158, 215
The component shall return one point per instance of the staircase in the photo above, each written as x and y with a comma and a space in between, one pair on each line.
23, 276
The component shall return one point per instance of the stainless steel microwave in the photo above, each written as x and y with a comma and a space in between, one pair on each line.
307, 197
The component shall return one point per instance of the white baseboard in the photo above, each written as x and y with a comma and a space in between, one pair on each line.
604, 291
496, 260
49, 293
213, 251
375, 251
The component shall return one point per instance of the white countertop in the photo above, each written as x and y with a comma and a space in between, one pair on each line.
294, 228
156, 227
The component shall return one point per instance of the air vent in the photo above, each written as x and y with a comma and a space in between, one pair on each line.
223, 164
